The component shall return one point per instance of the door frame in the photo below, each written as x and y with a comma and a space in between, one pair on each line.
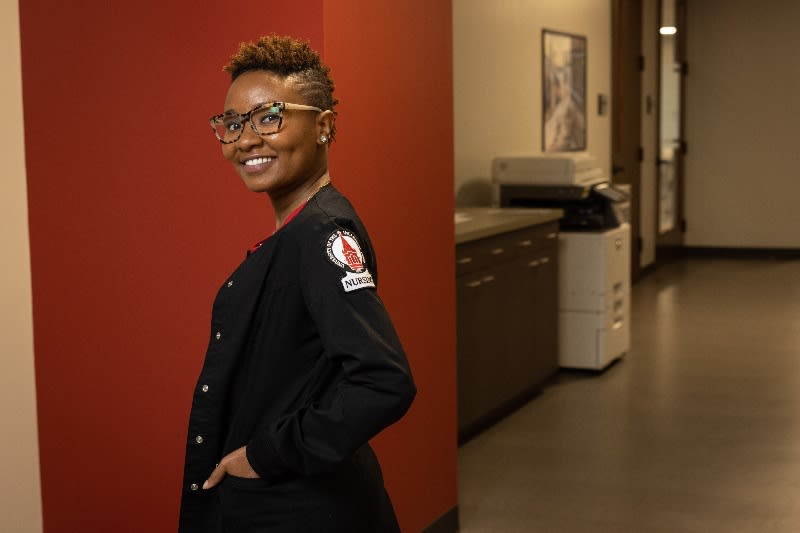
626, 97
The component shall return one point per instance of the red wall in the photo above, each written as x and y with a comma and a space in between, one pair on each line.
135, 219
392, 63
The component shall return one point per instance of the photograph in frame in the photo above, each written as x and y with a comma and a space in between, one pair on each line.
563, 92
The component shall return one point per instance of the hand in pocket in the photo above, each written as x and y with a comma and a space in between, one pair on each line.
234, 464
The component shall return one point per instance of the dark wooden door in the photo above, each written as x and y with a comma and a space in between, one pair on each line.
626, 88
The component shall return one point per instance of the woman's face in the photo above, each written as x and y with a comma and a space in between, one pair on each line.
281, 162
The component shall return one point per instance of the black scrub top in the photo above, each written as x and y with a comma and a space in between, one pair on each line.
304, 367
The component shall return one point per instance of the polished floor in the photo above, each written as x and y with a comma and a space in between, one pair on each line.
697, 429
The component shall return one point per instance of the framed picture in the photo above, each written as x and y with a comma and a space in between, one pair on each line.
563, 92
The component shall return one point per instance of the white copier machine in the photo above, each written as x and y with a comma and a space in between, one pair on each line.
594, 249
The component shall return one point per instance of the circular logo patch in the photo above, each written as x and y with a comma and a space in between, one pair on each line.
344, 251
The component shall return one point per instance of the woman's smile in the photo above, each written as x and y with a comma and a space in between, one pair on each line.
257, 164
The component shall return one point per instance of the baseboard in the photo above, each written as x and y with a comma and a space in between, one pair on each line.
742, 253
468, 431
669, 254
447, 523
645, 271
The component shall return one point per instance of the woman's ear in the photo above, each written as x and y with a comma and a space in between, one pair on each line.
325, 122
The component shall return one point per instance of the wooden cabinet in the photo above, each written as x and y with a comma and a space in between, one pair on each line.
507, 291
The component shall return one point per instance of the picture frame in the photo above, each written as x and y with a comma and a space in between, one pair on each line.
563, 91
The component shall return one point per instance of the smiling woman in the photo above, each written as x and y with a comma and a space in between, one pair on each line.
303, 365
285, 153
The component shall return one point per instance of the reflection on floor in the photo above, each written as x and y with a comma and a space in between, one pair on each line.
697, 429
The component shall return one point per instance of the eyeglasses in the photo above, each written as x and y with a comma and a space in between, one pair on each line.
265, 119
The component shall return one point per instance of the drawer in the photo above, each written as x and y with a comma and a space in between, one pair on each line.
595, 269
617, 254
480, 254
591, 340
498, 249
530, 241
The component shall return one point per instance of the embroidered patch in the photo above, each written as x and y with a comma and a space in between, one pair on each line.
344, 251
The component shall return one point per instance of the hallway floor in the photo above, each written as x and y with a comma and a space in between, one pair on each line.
697, 429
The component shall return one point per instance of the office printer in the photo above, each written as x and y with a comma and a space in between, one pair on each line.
593, 250
570, 181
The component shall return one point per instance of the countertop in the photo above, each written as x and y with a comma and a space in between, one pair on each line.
474, 223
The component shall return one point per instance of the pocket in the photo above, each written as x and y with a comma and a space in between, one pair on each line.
239, 493
294, 505
246, 504
244, 483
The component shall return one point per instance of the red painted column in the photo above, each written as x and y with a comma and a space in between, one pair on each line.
135, 220
392, 63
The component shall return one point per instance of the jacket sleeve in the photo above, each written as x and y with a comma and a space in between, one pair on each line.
372, 387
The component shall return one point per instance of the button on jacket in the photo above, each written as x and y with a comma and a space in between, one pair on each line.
303, 367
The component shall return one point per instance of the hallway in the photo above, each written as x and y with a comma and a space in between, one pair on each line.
697, 429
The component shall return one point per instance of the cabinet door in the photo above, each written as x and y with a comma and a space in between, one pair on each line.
544, 309
474, 344
533, 331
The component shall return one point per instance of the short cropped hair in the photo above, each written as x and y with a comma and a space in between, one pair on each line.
290, 58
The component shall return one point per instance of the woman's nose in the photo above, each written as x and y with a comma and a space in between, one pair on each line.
249, 137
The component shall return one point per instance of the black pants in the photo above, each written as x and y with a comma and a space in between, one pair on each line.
350, 500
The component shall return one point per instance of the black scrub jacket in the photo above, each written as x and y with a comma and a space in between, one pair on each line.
304, 367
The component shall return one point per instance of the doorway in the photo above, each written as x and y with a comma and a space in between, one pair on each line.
672, 147
648, 144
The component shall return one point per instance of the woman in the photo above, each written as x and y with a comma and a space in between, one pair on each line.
303, 365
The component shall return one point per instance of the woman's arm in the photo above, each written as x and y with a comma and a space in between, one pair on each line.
374, 388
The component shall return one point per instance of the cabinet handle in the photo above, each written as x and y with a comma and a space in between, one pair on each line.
497, 251
487, 279
545, 260
534, 263
525, 243
473, 284
464, 260
618, 242
551, 235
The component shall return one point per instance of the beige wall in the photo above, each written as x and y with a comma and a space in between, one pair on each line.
497, 79
20, 500
742, 114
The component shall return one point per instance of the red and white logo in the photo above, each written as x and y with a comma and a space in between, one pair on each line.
344, 251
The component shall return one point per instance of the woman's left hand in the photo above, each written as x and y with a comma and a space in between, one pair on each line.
235, 464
